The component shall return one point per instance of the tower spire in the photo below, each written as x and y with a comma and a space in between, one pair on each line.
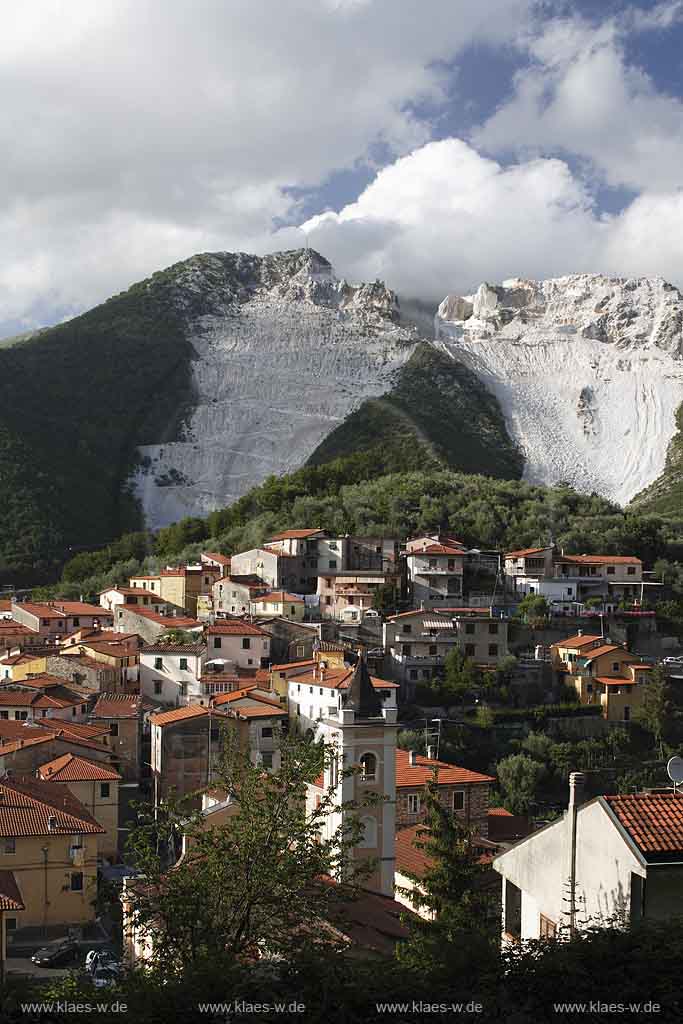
361, 696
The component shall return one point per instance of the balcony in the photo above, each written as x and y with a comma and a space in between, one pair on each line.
436, 570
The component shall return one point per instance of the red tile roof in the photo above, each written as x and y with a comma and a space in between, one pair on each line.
578, 641
438, 549
216, 557
295, 534
81, 608
410, 860
57, 731
523, 552
596, 652
41, 611
10, 897
179, 714
28, 805
600, 559
169, 621
293, 664
337, 679
235, 628
654, 821
612, 681
119, 705
132, 591
422, 771
72, 768
279, 596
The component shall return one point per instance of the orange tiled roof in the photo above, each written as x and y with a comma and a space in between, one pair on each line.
438, 549
600, 559
81, 608
216, 557
410, 860
41, 611
338, 679
612, 681
136, 591
119, 705
523, 552
10, 897
597, 652
293, 664
235, 628
27, 805
295, 534
279, 595
578, 641
72, 768
62, 733
179, 714
423, 771
169, 621
654, 821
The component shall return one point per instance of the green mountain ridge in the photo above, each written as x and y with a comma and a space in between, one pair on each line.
665, 495
437, 414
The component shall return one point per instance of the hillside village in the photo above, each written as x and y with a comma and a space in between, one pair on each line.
518, 681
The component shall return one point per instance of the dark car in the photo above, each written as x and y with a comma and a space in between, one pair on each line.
61, 951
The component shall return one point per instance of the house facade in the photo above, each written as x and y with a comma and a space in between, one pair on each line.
240, 642
602, 673
185, 746
96, 787
170, 673
435, 570
460, 790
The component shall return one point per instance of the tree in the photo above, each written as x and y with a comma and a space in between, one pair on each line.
520, 777
461, 675
460, 923
654, 709
384, 599
251, 883
533, 607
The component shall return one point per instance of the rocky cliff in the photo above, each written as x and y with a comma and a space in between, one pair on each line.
588, 371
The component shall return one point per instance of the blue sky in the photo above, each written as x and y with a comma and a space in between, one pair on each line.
435, 145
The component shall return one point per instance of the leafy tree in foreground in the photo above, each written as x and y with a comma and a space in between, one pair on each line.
252, 883
462, 925
654, 710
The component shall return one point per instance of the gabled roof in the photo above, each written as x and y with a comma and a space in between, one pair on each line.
600, 559
215, 556
578, 641
10, 897
169, 621
81, 608
29, 806
235, 627
132, 591
180, 714
63, 733
279, 596
120, 705
523, 552
73, 768
596, 652
438, 549
653, 821
423, 771
41, 611
295, 534
307, 663
159, 647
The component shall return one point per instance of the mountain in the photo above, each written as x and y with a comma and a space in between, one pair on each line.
665, 494
179, 395
437, 413
588, 371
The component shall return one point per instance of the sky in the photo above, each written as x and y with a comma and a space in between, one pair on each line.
433, 145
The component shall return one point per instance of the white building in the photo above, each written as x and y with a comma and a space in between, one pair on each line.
434, 568
362, 734
615, 858
240, 642
170, 673
319, 693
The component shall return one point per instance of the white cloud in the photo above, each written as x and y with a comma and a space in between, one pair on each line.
445, 218
135, 132
581, 96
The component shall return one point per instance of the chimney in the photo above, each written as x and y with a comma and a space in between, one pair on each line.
52, 823
412, 758
431, 753
579, 632
576, 789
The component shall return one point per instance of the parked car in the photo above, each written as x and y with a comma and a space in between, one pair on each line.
100, 958
52, 954
104, 976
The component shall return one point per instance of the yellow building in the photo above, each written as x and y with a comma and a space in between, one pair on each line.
49, 841
180, 586
279, 602
602, 673
94, 785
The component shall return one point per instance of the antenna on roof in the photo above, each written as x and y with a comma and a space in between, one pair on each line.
674, 770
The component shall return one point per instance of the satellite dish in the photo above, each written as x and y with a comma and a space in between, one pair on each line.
675, 769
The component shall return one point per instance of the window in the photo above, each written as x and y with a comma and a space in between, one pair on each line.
631, 570
158, 663
267, 732
4, 714
321, 691
328, 600
114, 727
11, 924
157, 687
77, 622
368, 765
369, 838
333, 563
407, 649
513, 910
407, 628
493, 627
432, 648
215, 735
469, 628
615, 666
310, 689
23, 715
104, 790
267, 758
216, 641
413, 673
493, 650
547, 928
183, 664
589, 687
77, 881
627, 713
610, 570
469, 650
246, 643
413, 803
458, 799
300, 652
10, 845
